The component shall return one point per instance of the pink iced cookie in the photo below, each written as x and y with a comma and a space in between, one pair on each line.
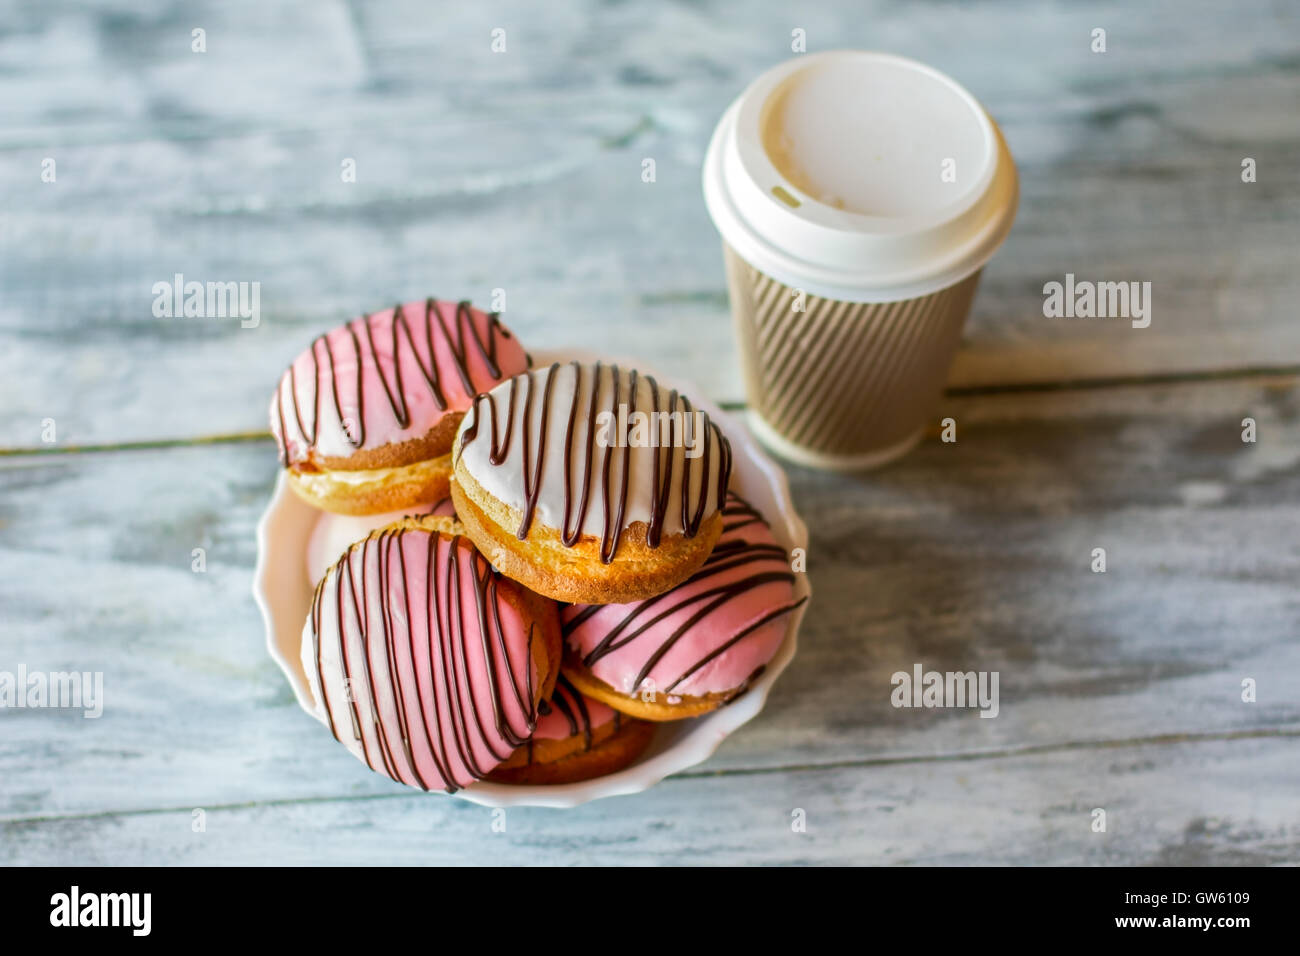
577, 738
425, 663
569, 714
365, 417
693, 648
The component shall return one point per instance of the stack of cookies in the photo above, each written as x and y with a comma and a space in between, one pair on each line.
517, 569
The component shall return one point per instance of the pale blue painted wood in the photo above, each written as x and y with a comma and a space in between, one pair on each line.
522, 171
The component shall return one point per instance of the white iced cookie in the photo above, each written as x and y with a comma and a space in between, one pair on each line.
590, 483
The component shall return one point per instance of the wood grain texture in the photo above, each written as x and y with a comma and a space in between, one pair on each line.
1184, 804
1120, 690
522, 171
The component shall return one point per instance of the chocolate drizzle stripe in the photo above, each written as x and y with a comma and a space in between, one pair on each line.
382, 731
364, 579
573, 623
281, 448
571, 537
759, 671
609, 536
610, 642
606, 514
436, 752
720, 596
663, 476
456, 675
692, 522
533, 481
433, 614
360, 611
465, 320
733, 552
738, 553
464, 335
360, 438
484, 595
695, 493
570, 703
297, 417
737, 525
769, 567
568, 699
394, 668
740, 515
767, 618
349, 693
397, 398
386, 751
585, 718
316, 605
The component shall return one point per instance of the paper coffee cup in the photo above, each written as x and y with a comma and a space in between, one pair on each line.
858, 196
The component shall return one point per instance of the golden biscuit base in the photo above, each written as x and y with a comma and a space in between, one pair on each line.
434, 443
610, 751
392, 477
657, 709
374, 491
544, 563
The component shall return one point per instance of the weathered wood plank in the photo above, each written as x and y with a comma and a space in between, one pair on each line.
522, 171
965, 556
1196, 803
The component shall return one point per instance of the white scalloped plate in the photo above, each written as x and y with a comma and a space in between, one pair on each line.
283, 595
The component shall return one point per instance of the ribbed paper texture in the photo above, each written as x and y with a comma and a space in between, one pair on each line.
843, 378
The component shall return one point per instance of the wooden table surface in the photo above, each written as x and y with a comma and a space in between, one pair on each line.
521, 171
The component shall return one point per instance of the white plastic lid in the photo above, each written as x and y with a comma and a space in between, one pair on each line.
863, 177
